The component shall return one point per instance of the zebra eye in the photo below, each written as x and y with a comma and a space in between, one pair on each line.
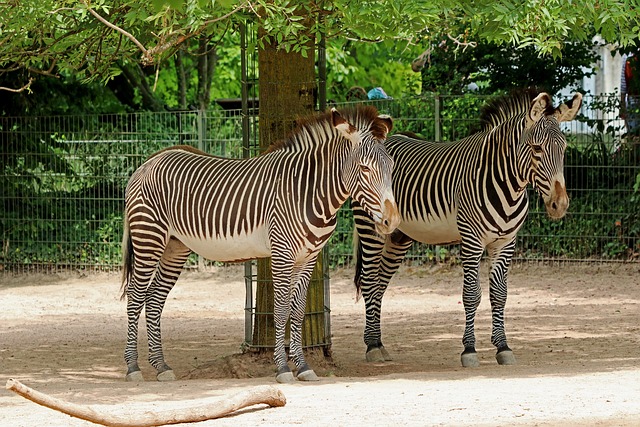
537, 149
365, 169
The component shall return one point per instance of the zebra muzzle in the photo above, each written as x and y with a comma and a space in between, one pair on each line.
390, 218
558, 201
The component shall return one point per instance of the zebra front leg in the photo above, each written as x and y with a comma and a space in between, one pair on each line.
471, 296
281, 274
372, 331
397, 244
298, 298
500, 262
169, 269
368, 253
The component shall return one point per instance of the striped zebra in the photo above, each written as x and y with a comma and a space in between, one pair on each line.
472, 192
281, 204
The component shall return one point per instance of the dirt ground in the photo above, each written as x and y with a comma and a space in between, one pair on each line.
574, 330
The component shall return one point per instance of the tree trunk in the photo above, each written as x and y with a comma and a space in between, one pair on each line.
136, 78
287, 90
182, 80
207, 59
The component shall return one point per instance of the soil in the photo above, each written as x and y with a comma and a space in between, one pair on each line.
574, 330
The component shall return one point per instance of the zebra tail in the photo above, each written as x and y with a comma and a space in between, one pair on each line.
127, 258
357, 253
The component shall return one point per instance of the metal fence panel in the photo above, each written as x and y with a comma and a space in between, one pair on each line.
601, 170
63, 181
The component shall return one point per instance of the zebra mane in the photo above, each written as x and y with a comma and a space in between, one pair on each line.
502, 108
188, 148
363, 117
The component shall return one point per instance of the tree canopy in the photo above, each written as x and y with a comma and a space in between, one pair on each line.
93, 36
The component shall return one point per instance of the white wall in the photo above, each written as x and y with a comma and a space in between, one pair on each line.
606, 80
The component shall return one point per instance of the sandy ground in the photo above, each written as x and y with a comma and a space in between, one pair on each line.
574, 330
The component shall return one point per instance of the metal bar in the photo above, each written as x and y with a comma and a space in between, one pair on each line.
437, 118
322, 73
246, 153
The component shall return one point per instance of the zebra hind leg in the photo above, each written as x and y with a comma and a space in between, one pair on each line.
173, 259
135, 292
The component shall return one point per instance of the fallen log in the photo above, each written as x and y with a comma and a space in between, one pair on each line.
259, 395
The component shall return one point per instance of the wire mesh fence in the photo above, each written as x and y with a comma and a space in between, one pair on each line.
601, 170
63, 181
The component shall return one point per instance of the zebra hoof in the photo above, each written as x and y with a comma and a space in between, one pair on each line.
308, 375
135, 376
285, 377
167, 375
506, 357
375, 355
470, 360
385, 354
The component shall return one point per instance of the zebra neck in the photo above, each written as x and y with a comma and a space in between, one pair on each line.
318, 171
513, 167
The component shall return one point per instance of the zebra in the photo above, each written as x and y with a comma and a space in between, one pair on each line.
473, 192
282, 204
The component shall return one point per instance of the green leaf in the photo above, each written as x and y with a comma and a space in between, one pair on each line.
158, 5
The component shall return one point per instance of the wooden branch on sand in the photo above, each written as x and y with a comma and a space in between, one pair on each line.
263, 394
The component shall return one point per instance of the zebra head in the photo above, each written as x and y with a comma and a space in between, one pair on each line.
367, 174
547, 145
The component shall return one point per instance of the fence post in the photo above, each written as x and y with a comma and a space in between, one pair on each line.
438, 135
200, 128
246, 153
437, 118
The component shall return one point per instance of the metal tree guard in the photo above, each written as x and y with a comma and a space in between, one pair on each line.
259, 325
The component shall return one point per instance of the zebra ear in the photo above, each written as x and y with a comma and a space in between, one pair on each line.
567, 112
387, 121
539, 106
346, 129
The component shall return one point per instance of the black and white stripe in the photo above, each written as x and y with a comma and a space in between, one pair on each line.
282, 205
472, 192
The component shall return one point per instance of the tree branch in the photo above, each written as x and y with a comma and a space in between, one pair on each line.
182, 38
463, 44
145, 53
23, 88
48, 72
168, 41
210, 410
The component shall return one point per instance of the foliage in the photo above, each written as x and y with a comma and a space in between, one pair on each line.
490, 68
369, 65
548, 24
458, 116
64, 95
225, 82
92, 37
138, 48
